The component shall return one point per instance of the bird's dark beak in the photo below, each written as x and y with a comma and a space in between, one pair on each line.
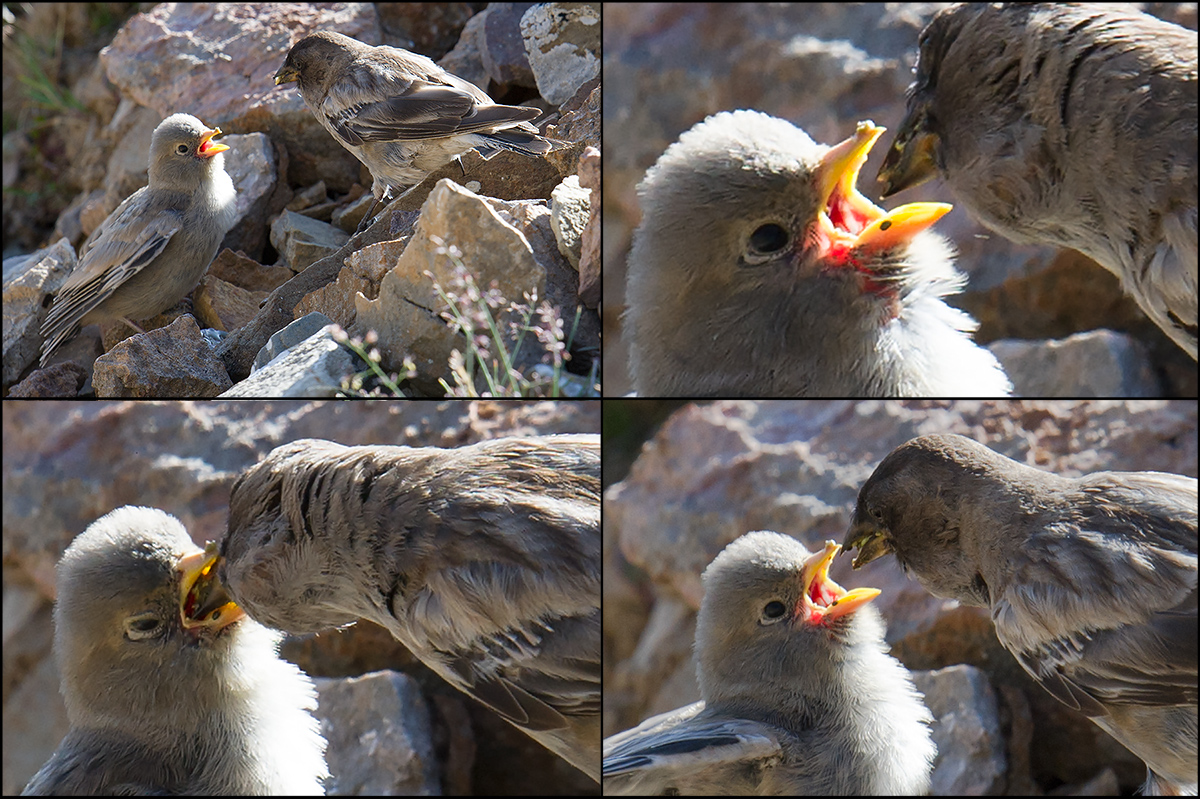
824, 600
286, 74
912, 158
203, 600
871, 541
848, 220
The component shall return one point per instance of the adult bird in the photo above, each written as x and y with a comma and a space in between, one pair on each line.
483, 560
401, 114
1066, 124
1091, 580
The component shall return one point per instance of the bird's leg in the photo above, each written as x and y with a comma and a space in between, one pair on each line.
385, 199
365, 222
129, 322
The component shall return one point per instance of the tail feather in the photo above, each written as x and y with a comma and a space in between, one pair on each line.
517, 141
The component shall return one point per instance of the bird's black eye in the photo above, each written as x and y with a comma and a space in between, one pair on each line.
143, 625
182, 149
773, 611
767, 240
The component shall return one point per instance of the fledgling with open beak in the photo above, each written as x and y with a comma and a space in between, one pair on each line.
1091, 581
759, 270
169, 688
1070, 124
799, 694
154, 248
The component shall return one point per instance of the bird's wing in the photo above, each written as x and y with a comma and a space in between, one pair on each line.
85, 764
1153, 663
1179, 230
495, 623
122, 246
1168, 283
393, 108
488, 565
1102, 608
519, 685
685, 746
535, 675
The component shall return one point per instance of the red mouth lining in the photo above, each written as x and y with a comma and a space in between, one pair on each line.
842, 214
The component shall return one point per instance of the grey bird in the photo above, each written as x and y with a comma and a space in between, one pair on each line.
1072, 125
483, 560
162, 700
153, 249
1091, 581
800, 695
401, 114
759, 270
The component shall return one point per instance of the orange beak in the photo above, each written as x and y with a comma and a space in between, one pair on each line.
823, 599
849, 221
203, 601
208, 148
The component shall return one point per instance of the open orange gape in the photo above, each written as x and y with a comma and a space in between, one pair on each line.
823, 600
203, 601
850, 223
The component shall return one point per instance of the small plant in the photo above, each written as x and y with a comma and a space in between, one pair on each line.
490, 358
487, 366
385, 385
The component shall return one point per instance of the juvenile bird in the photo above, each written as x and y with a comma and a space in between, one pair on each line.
401, 114
158, 243
1091, 581
800, 695
162, 700
759, 270
483, 560
1066, 124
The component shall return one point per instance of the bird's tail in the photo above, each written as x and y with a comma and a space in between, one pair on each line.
517, 140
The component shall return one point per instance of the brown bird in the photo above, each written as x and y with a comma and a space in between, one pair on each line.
483, 560
153, 249
1066, 124
401, 114
1091, 581
800, 695
759, 270
163, 699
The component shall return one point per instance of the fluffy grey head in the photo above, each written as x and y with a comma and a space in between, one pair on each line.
760, 270
161, 704
118, 626
769, 617
183, 155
